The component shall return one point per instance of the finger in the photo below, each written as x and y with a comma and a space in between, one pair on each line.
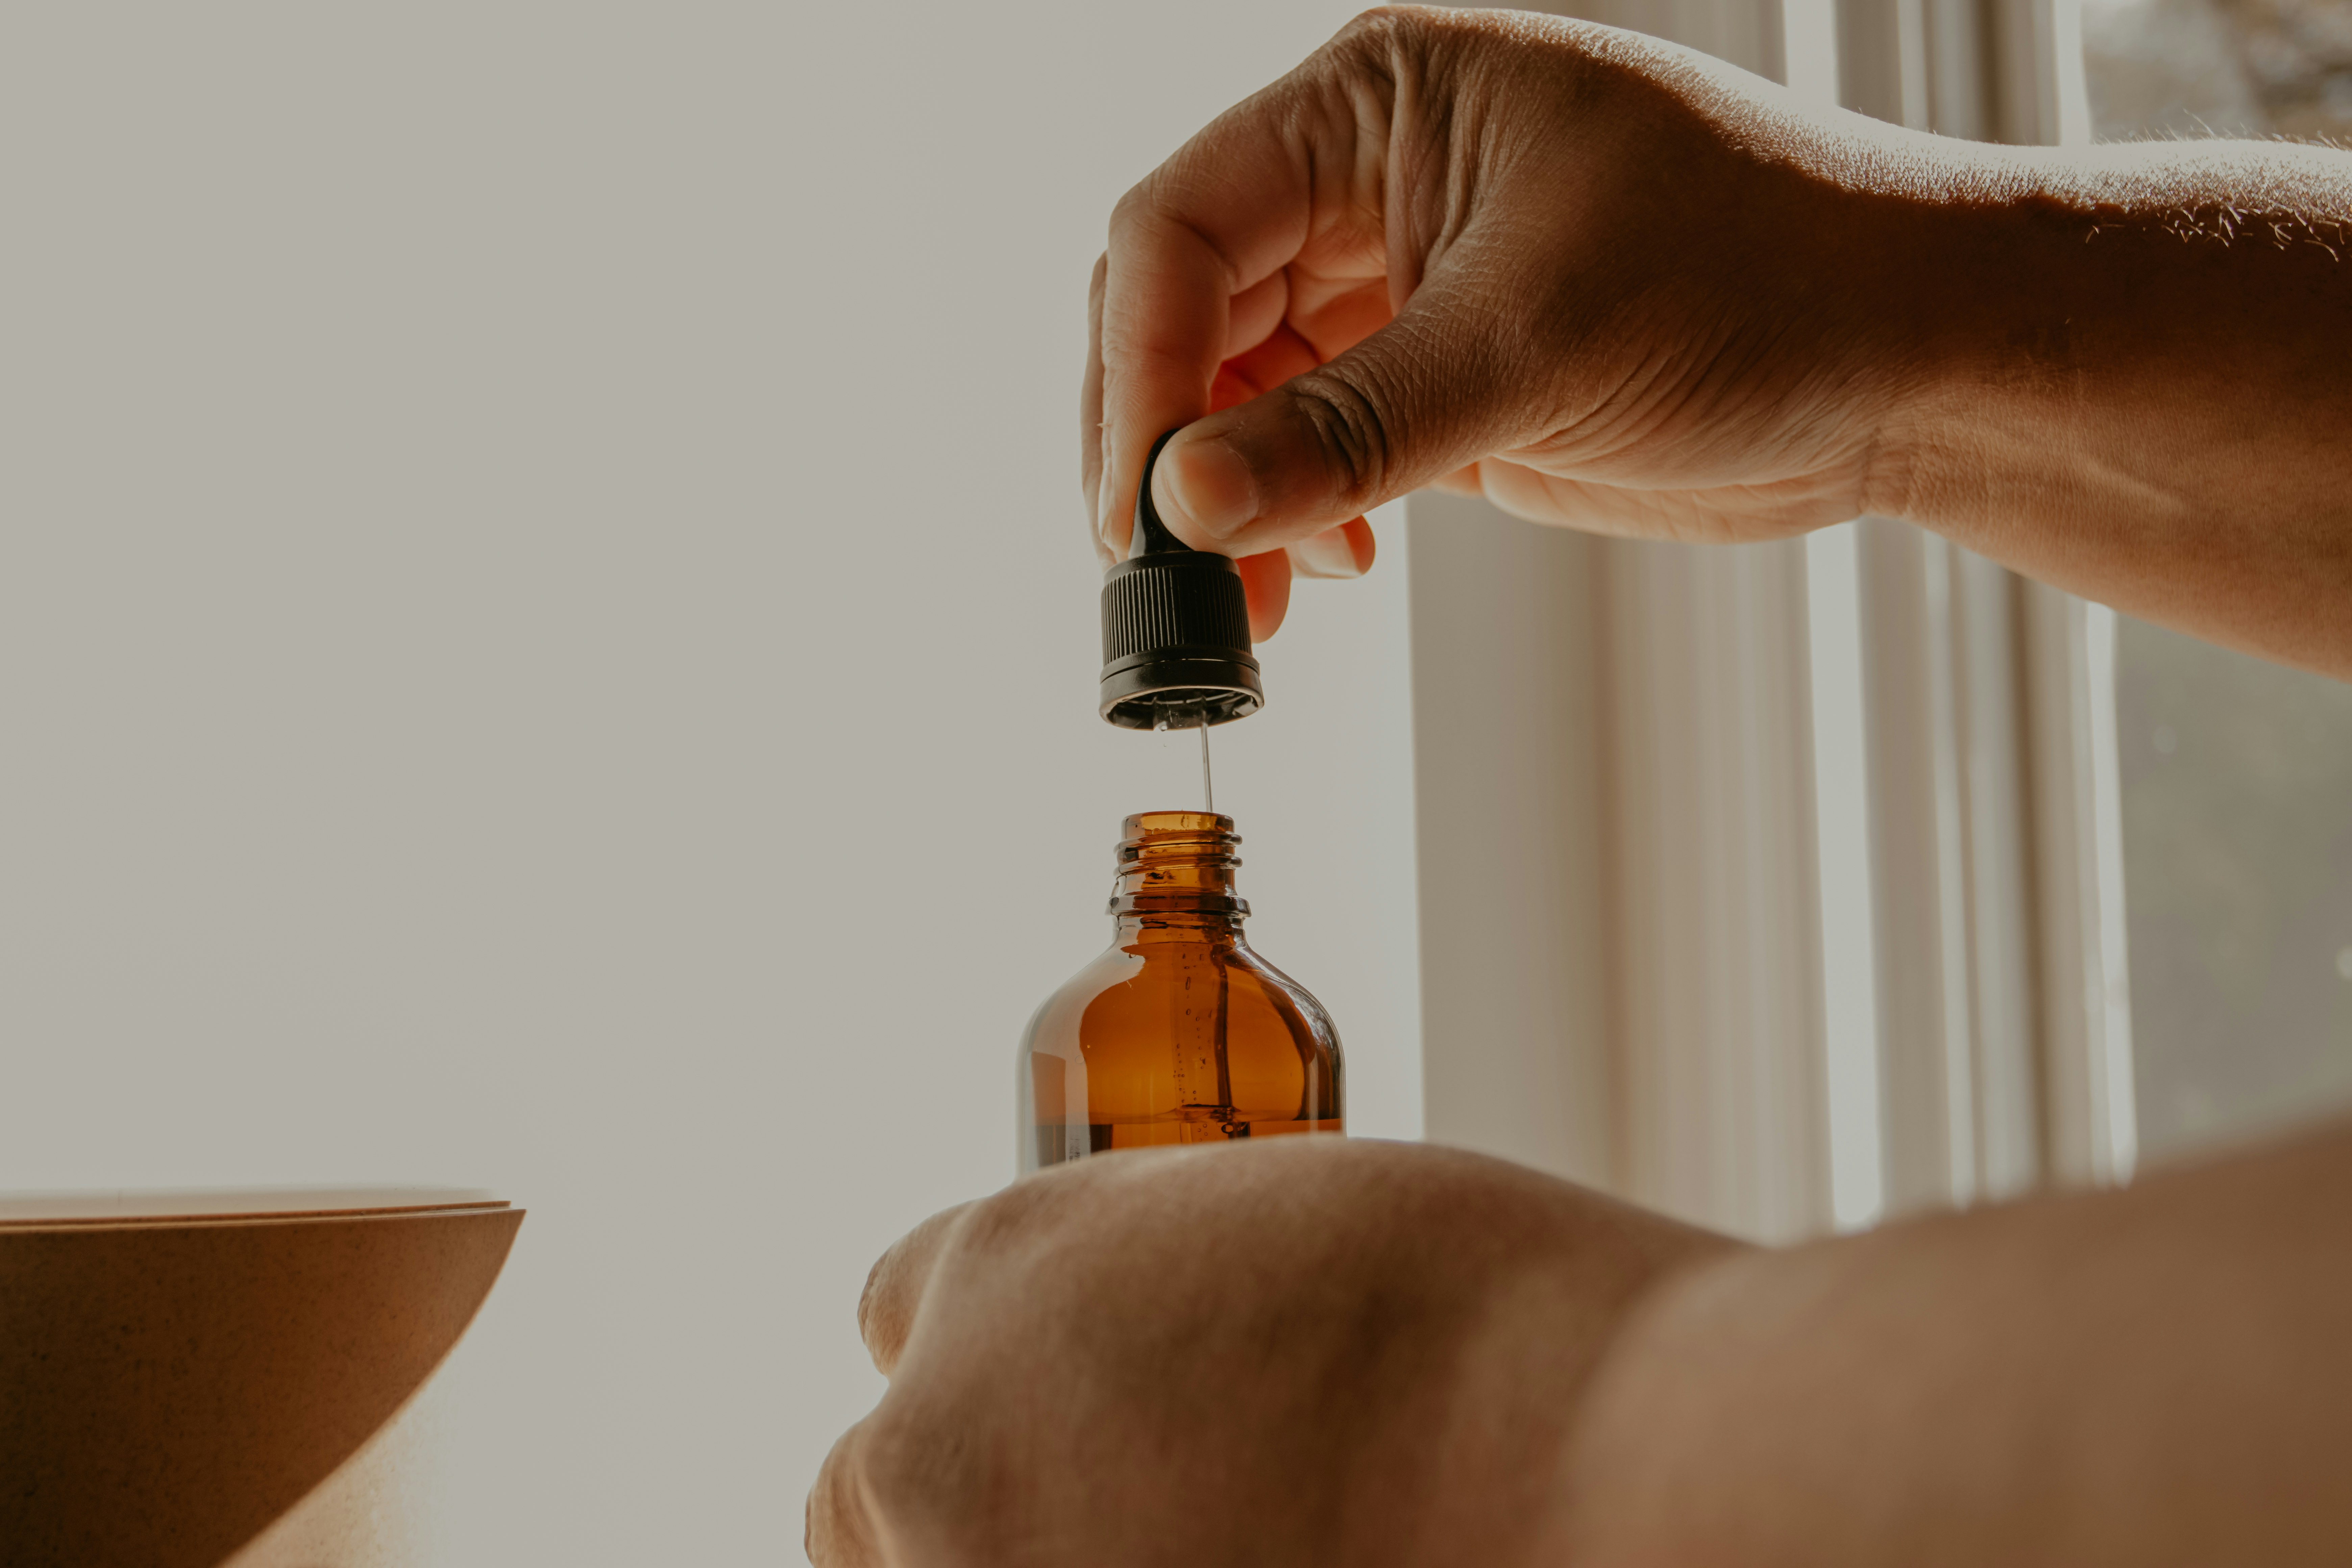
1090, 447
836, 1530
1266, 582
1262, 367
1439, 386
1293, 167
1342, 552
1461, 481
894, 1289
1335, 314
1252, 315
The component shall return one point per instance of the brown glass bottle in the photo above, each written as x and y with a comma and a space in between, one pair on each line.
1179, 1033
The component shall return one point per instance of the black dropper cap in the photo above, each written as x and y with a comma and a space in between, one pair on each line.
1176, 642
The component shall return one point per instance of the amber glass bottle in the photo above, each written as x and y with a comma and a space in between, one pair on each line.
1178, 1033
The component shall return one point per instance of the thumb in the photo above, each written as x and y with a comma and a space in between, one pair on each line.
1435, 389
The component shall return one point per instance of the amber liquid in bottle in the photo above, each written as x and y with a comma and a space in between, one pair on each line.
1178, 1033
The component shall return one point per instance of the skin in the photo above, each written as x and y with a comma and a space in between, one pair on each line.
1613, 285
1318, 1351
1302, 1351
1616, 285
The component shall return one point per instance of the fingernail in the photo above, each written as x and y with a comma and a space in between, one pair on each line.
1110, 526
1207, 485
1331, 553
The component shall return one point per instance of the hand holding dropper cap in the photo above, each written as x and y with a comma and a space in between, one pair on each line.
1176, 642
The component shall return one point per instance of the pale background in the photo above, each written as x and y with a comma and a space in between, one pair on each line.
547, 643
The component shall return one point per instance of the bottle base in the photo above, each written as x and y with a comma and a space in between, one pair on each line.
1059, 1141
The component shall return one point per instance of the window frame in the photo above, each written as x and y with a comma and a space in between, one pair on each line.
1689, 729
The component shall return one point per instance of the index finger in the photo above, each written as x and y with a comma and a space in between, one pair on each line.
1221, 220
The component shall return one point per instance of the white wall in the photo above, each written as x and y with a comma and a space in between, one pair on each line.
1514, 835
546, 642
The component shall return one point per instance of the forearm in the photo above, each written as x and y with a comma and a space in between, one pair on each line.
2158, 1376
2138, 386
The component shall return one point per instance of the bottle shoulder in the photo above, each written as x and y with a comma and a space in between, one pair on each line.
1130, 992
1054, 1026
1275, 982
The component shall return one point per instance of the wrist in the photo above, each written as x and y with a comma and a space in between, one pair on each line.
1641, 1484
1903, 277
1498, 1446
1598, 1437
1962, 277
2118, 383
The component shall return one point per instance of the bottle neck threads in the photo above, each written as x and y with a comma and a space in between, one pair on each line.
1178, 863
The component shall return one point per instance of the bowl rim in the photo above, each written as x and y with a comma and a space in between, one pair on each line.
84, 1208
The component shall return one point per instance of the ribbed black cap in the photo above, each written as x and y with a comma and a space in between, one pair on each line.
1175, 624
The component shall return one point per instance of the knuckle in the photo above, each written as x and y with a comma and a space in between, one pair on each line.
895, 1287
1007, 1216
1379, 38
1134, 206
871, 1328
889, 1456
1364, 50
1380, 25
1348, 427
833, 1532
914, 1466
1448, 52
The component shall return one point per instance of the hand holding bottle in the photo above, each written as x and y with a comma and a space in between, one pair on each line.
1318, 1351
1299, 1350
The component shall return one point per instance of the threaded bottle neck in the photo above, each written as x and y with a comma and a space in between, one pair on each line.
1178, 863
